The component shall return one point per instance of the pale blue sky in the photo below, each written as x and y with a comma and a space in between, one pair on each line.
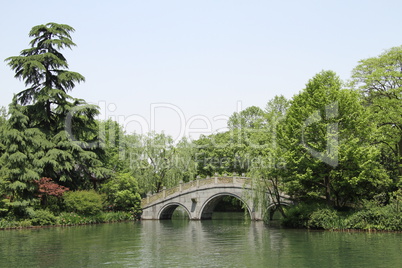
200, 59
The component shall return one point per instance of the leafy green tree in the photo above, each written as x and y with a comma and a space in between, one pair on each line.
158, 162
122, 193
153, 161
326, 135
275, 112
235, 151
67, 122
379, 79
185, 163
115, 144
249, 139
267, 168
252, 117
222, 153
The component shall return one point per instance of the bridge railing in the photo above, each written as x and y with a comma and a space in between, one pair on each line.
194, 184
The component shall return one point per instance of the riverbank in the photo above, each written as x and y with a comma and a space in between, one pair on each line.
370, 217
65, 219
323, 219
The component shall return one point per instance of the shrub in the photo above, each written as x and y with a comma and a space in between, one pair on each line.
122, 193
376, 217
55, 204
325, 218
24, 223
43, 217
117, 216
8, 223
72, 218
83, 202
298, 216
372, 216
50, 194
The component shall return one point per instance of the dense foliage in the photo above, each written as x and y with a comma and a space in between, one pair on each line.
328, 144
50, 143
83, 202
335, 149
122, 193
371, 216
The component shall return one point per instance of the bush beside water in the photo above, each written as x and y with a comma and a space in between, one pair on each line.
83, 202
75, 208
46, 218
370, 217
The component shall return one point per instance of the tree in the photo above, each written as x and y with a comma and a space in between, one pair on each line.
379, 80
235, 150
47, 188
3, 200
275, 111
3, 122
153, 161
223, 153
22, 162
3, 116
327, 135
252, 117
267, 169
67, 122
185, 160
122, 193
115, 145
44, 71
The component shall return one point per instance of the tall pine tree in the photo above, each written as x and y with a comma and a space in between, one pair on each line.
68, 123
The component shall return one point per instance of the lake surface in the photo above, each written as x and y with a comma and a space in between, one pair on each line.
182, 243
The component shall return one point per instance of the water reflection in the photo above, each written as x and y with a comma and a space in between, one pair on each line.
183, 243
213, 243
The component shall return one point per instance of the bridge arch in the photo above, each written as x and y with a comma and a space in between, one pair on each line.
209, 205
166, 211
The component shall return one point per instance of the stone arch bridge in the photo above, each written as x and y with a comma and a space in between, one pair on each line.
199, 198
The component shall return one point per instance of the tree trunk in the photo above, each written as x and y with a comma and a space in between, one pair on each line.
276, 199
44, 200
158, 186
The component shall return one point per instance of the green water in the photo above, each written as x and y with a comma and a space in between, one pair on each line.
182, 243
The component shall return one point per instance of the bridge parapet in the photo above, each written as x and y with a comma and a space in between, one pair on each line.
182, 187
188, 185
